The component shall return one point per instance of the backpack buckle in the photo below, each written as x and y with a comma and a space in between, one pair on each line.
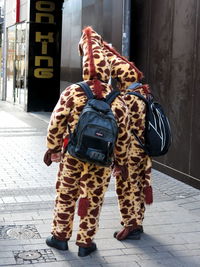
95, 154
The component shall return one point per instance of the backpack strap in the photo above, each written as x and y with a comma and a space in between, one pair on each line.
139, 140
111, 96
133, 131
138, 95
86, 89
134, 85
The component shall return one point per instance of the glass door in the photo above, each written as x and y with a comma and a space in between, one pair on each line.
19, 88
11, 35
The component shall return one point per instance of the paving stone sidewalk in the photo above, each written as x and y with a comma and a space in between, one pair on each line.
171, 226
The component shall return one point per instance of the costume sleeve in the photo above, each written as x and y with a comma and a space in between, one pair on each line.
58, 121
123, 140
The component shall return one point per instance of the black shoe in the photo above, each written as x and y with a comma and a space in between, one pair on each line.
51, 241
141, 229
133, 235
82, 252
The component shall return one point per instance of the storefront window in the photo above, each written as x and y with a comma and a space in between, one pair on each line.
10, 63
16, 36
19, 89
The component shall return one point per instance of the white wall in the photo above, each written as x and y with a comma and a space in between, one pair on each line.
24, 10
10, 11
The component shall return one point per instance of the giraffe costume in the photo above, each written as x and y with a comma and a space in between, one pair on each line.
135, 192
76, 179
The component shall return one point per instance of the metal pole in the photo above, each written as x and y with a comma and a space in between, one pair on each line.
17, 11
126, 28
4, 54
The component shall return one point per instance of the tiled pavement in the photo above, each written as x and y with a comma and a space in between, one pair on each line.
172, 223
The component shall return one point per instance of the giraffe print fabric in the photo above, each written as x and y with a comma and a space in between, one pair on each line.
136, 191
77, 180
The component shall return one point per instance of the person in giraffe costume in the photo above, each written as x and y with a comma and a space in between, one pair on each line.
76, 179
135, 192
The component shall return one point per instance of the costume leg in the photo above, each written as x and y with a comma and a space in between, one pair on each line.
140, 171
95, 184
137, 176
131, 193
123, 190
67, 188
146, 194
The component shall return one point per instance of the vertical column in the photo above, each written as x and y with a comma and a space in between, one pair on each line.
126, 28
44, 54
17, 11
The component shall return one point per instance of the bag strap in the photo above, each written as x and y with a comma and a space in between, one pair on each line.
111, 96
133, 132
139, 140
134, 85
139, 96
86, 89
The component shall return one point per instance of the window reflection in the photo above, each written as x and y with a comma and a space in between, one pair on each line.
20, 64
16, 36
10, 63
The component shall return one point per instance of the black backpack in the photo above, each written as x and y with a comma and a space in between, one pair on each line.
94, 137
157, 128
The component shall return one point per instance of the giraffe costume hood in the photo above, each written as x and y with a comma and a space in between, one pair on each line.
122, 69
96, 66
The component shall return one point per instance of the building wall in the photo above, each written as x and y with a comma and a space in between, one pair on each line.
71, 32
10, 11
165, 37
24, 10
104, 16
44, 55
32, 53
15, 52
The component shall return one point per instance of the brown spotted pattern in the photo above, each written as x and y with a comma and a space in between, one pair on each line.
101, 64
130, 192
121, 69
75, 179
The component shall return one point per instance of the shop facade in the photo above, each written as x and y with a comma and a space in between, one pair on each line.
41, 46
32, 53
